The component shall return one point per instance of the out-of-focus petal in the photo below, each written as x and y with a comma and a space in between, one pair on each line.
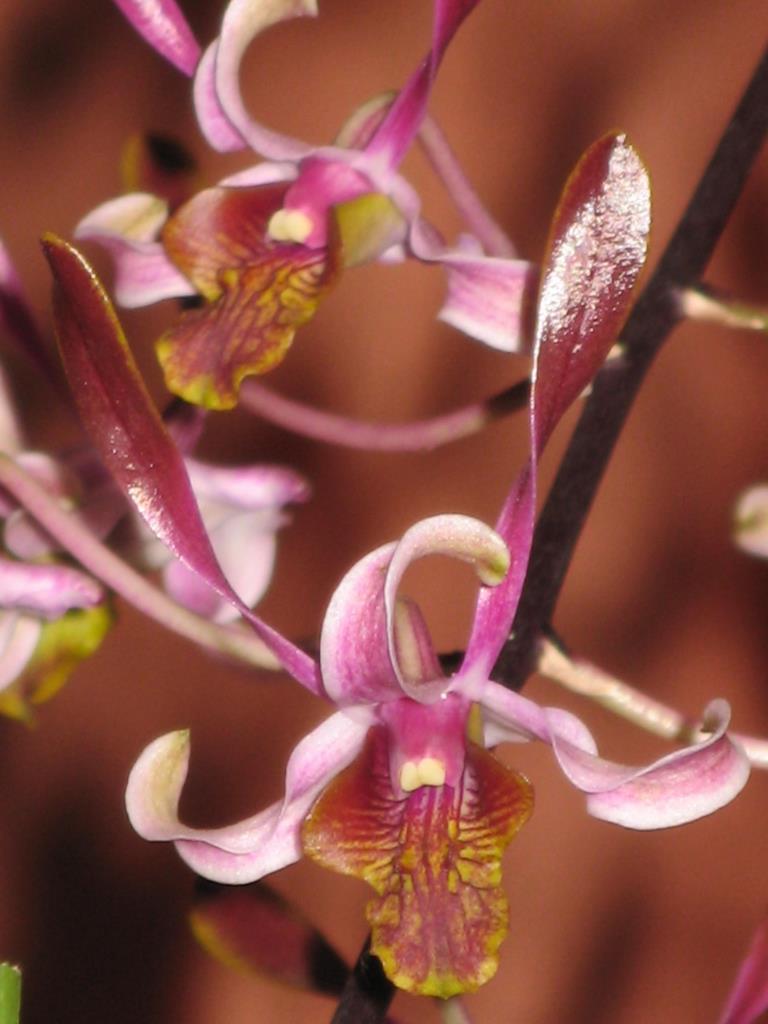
750, 527
241, 508
487, 297
247, 487
136, 217
597, 247
128, 228
46, 590
18, 322
264, 173
251, 928
748, 998
165, 28
259, 845
134, 444
218, 100
19, 635
245, 545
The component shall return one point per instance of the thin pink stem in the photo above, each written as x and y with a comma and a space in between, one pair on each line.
416, 436
68, 530
444, 162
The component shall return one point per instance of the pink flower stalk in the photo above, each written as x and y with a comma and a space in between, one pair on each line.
285, 228
396, 785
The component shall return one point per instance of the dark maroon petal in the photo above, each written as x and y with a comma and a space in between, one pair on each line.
597, 247
124, 425
252, 928
596, 250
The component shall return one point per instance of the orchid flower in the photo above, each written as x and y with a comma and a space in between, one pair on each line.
262, 247
396, 786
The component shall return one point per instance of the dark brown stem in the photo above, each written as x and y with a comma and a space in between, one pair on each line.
652, 319
367, 993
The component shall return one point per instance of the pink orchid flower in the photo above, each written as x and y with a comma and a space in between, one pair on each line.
396, 786
285, 228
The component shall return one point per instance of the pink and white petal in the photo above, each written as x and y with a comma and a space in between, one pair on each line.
258, 845
128, 228
214, 122
46, 590
245, 546
136, 217
674, 790
487, 298
265, 173
19, 635
219, 102
165, 28
748, 998
355, 663
247, 487
457, 536
597, 247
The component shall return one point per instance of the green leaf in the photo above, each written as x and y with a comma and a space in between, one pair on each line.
10, 994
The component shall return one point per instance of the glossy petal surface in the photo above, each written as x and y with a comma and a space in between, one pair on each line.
433, 858
597, 248
134, 444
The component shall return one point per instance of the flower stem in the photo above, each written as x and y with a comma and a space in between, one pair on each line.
417, 436
653, 317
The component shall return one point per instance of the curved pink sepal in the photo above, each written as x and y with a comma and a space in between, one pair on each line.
221, 111
258, 845
681, 787
359, 643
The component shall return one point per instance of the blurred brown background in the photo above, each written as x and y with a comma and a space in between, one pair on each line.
607, 925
